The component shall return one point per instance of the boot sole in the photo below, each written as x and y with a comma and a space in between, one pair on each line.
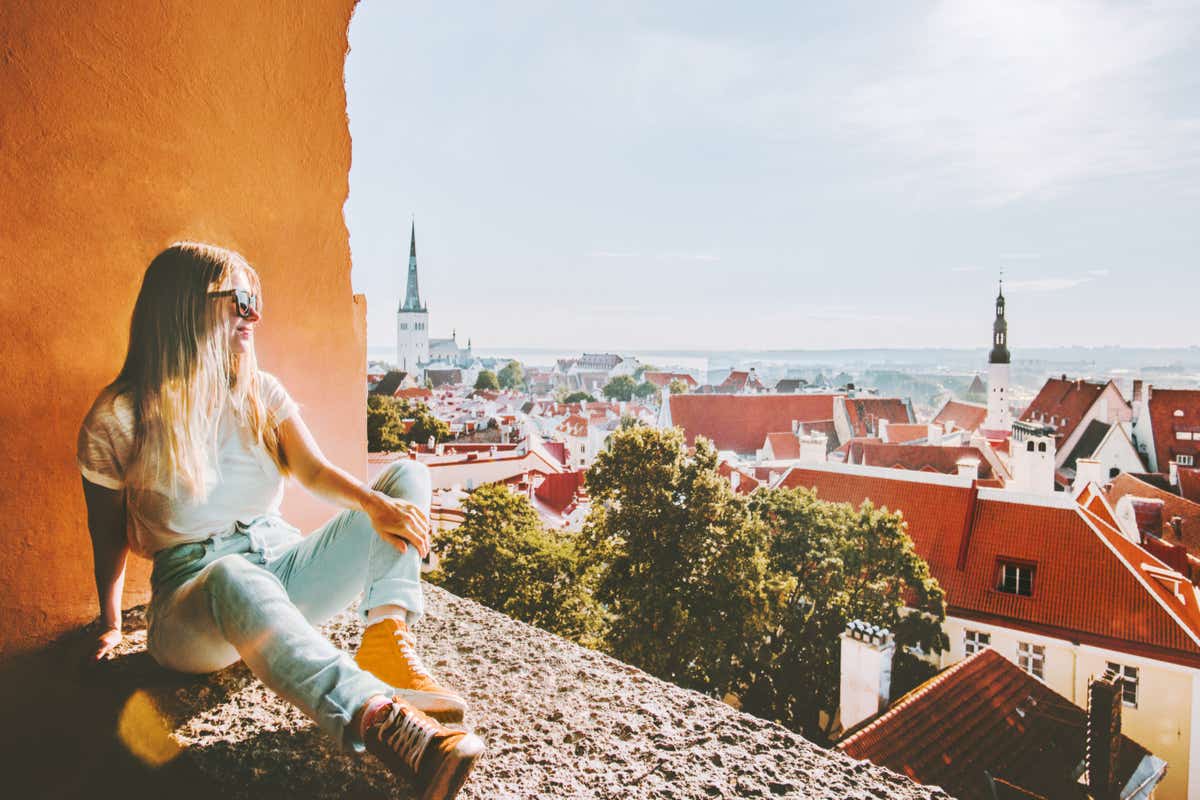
443, 708
452, 773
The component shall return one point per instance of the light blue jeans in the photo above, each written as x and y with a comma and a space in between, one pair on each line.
256, 595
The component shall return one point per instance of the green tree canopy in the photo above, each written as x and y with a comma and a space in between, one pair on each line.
680, 562
645, 390
677, 386
487, 380
394, 423
502, 556
834, 564
620, 388
512, 376
578, 397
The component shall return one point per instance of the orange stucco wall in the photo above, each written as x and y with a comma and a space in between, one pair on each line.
125, 127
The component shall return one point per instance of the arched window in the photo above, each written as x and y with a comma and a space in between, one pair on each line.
1041, 447
1030, 447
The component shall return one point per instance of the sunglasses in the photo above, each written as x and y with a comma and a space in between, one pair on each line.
246, 303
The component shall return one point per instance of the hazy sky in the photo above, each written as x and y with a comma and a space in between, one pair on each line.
791, 175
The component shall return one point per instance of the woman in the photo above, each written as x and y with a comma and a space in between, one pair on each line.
183, 459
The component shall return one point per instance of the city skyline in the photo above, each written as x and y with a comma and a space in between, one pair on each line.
779, 179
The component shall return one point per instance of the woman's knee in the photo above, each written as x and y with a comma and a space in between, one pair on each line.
406, 479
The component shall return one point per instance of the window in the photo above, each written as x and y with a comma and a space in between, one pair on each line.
1032, 658
1015, 578
1129, 682
1184, 460
974, 641
1029, 446
1041, 447
403, 326
1185, 436
1178, 412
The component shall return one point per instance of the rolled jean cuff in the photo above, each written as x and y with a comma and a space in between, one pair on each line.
394, 591
336, 710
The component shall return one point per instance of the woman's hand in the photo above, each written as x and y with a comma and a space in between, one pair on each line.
105, 642
399, 522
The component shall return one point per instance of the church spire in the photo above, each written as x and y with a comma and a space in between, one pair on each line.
999, 354
412, 296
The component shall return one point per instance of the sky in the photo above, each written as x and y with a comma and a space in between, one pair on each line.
714, 175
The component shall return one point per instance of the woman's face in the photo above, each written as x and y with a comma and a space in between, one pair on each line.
238, 329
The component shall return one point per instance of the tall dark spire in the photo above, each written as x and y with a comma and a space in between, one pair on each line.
999, 354
412, 296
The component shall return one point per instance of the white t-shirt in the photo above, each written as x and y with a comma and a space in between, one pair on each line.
243, 481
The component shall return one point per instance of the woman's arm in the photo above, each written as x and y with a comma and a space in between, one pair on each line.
106, 524
399, 522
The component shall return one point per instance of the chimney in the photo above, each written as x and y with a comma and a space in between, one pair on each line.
796, 429
492, 451
866, 672
1103, 744
968, 468
735, 478
813, 447
883, 426
1087, 470
1177, 526
1137, 390
1173, 472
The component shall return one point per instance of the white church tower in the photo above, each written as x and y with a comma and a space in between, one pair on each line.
999, 415
412, 319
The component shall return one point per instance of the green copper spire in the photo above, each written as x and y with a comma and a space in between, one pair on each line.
412, 296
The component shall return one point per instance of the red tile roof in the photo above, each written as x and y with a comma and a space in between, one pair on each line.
901, 432
783, 445
864, 413
574, 425
741, 422
661, 379
919, 457
1189, 483
984, 717
967, 416
741, 379
558, 492
747, 481
1091, 584
1175, 411
1063, 403
1126, 485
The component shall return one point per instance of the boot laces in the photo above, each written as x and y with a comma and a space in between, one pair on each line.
407, 733
407, 643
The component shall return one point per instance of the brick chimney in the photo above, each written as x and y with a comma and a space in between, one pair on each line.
1103, 745
1173, 472
1177, 526
866, 672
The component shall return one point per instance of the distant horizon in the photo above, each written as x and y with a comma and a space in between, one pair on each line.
719, 179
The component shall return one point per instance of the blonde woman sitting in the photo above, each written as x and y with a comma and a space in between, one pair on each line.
184, 458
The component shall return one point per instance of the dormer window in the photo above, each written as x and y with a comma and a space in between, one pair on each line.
1015, 577
1178, 412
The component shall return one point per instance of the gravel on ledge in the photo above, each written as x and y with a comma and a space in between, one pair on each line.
560, 721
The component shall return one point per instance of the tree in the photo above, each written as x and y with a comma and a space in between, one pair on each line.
487, 380
620, 388
645, 390
831, 564
680, 563
394, 423
641, 371
677, 386
578, 397
502, 556
512, 376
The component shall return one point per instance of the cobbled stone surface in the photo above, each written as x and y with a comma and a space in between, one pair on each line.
559, 720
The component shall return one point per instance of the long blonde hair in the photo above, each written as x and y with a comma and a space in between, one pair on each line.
180, 371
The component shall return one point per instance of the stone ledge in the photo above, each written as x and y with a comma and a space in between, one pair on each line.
559, 721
